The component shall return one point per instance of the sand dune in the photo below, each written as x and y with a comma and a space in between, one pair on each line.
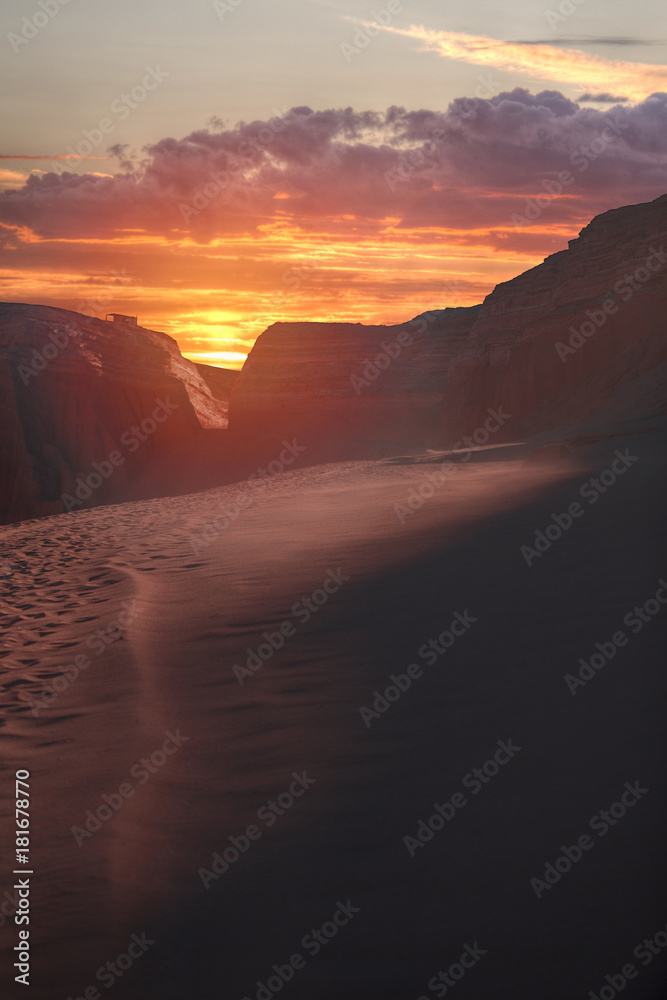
162, 614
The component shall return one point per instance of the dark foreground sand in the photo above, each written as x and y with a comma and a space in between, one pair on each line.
195, 615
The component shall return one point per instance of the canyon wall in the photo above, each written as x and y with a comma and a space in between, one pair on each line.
346, 380
573, 347
577, 340
220, 381
76, 390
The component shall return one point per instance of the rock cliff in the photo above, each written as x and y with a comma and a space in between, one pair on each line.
577, 340
346, 380
221, 382
80, 396
575, 345
580, 339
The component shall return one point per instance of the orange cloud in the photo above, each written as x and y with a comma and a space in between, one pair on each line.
387, 215
65, 156
217, 298
12, 178
544, 62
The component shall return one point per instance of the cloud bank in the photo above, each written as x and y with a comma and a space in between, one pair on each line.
471, 166
326, 215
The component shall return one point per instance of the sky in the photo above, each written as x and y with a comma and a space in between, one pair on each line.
214, 167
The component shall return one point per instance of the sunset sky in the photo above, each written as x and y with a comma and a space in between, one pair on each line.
214, 167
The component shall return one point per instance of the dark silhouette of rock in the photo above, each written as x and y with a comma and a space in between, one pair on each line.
220, 381
76, 390
567, 353
577, 340
346, 380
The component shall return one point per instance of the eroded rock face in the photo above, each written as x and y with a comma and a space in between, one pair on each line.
575, 344
220, 381
77, 390
347, 380
578, 339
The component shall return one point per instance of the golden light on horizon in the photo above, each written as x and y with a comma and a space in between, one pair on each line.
215, 296
217, 359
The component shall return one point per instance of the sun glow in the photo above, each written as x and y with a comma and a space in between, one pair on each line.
216, 295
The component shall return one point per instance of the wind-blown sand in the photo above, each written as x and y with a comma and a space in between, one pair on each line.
195, 615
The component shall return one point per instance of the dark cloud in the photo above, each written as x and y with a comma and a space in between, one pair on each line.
602, 99
585, 40
471, 165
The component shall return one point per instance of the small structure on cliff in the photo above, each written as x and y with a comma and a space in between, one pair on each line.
119, 318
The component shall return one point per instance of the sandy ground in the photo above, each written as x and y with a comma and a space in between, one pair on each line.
191, 612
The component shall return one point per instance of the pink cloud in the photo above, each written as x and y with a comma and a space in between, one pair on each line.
471, 166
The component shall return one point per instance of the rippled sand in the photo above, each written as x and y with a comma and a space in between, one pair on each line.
163, 622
